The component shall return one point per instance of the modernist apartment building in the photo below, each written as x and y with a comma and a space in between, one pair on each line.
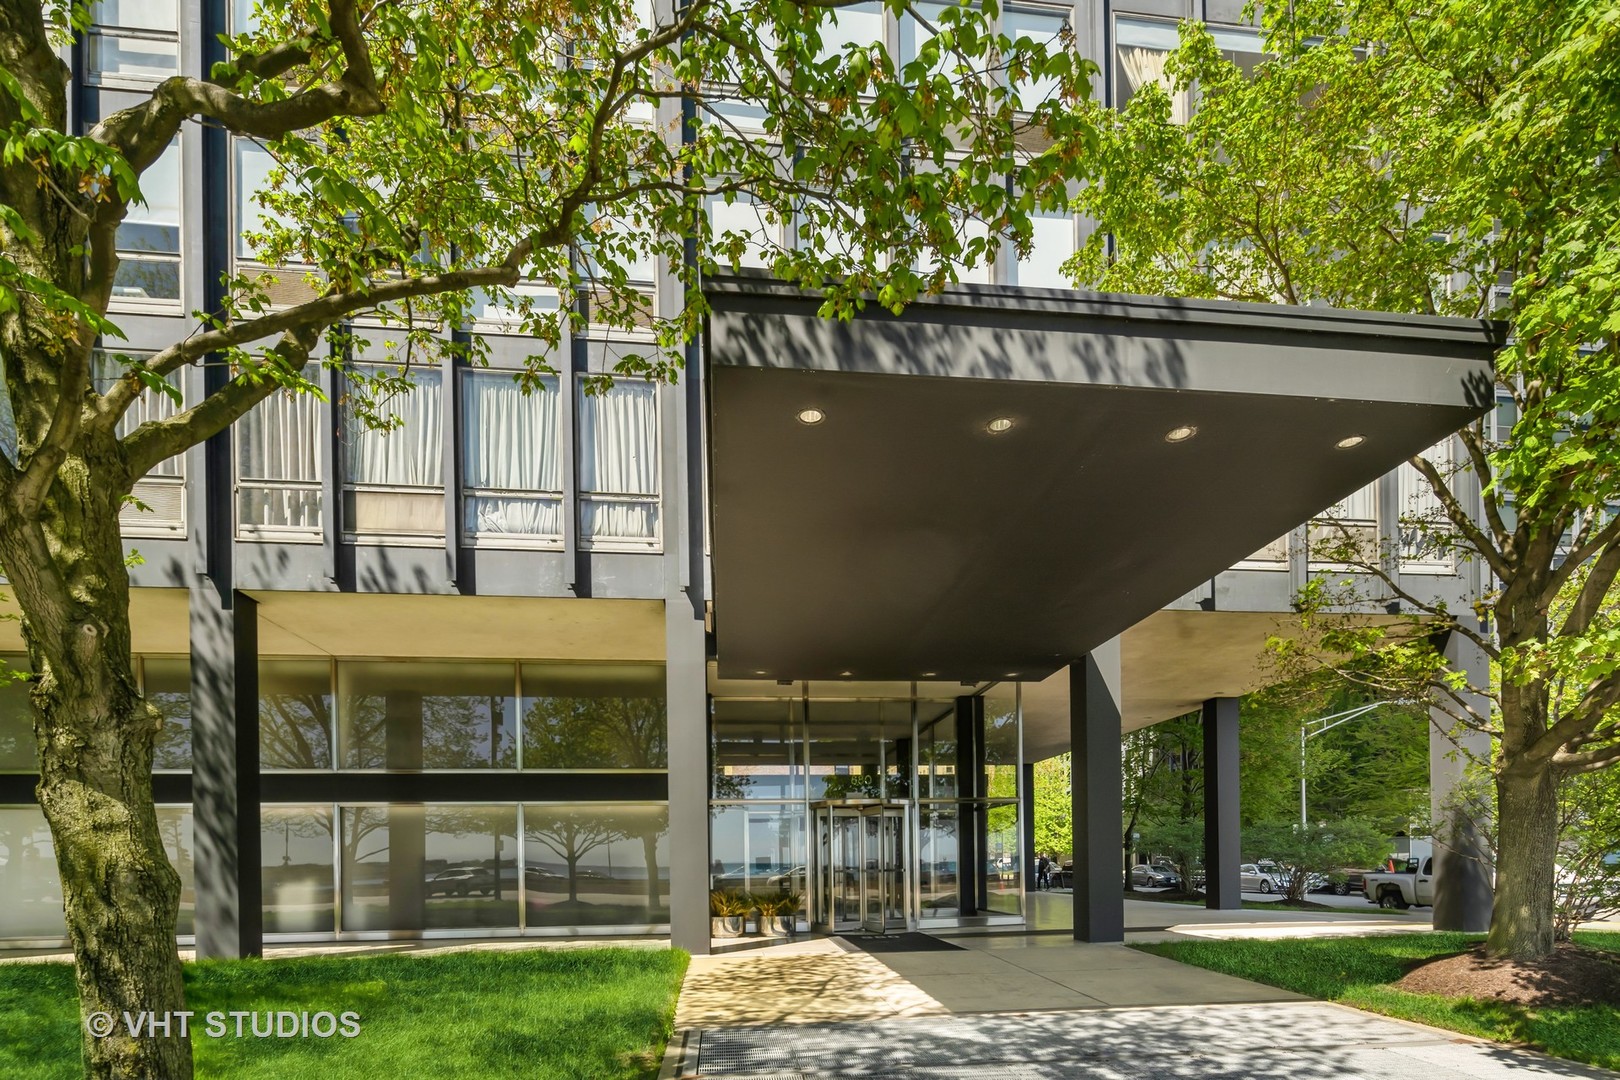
561, 663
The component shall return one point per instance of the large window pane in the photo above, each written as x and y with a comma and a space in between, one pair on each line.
427, 715
250, 175
936, 750
295, 714
137, 14
859, 749
1044, 27
938, 850
30, 887
758, 749
594, 716
295, 845
860, 25
596, 865
511, 456
396, 473
748, 219
159, 508
154, 225
167, 685
429, 867
757, 849
18, 751
1053, 243
131, 56
278, 471
174, 826
1140, 49
618, 468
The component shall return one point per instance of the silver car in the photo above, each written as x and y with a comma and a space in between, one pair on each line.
1254, 879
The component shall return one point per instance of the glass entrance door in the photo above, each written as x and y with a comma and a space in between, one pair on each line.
861, 881
883, 896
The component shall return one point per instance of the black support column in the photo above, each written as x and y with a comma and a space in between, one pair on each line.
225, 772
1094, 731
1026, 817
970, 785
1222, 823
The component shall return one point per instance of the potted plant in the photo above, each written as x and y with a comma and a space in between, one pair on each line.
778, 913
727, 910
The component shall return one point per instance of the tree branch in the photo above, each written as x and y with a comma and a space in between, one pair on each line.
158, 440
317, 314
141, 132
1460, 518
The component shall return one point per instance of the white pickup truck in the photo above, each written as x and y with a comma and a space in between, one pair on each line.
1413, 887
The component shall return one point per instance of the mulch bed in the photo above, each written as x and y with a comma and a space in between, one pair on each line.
1572, 975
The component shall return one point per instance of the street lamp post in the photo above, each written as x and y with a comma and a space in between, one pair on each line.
1310, 729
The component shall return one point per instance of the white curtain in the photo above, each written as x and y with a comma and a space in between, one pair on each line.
618, 466
278, 441
1419, 502
511, 445
409, 454
1361, 505
1144, 66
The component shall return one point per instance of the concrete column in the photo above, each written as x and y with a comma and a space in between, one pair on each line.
1026, 822
1462, 894
688, 780
1222, 823
225, 772
1094, 732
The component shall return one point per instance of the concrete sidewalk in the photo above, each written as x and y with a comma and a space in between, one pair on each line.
1292, 1040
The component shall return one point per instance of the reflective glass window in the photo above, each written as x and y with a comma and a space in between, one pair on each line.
166, 682
30, 886
596, 864
295, 714
594, 716
427, 715
429, 867
295, 853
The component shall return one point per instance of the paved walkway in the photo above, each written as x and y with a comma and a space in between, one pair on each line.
1041, 1006
1282, 1041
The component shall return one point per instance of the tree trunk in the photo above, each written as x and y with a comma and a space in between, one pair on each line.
1527, 841
95, 736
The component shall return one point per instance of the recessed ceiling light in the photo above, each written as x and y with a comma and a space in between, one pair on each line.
811, 415
846, 674
1350, 442
759, 672
1180, 434
929, 674
999, 425
1010, 675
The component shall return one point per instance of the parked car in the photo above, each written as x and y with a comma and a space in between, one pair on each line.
1252, 878
460, 881
1154, 877
1343, 882
1412, 887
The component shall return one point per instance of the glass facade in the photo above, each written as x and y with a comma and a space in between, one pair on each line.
426, 715
797, 780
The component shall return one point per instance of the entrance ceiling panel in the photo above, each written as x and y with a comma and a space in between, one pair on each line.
901, 537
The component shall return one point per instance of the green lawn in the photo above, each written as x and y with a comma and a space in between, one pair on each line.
570, 1014
1358, 970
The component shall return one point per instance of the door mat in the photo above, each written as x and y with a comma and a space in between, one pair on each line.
893, 943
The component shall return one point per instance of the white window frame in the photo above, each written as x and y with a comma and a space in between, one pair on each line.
94, 76
134, 522
654, 543
283, 534
348, 487
525, 541
158, 304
